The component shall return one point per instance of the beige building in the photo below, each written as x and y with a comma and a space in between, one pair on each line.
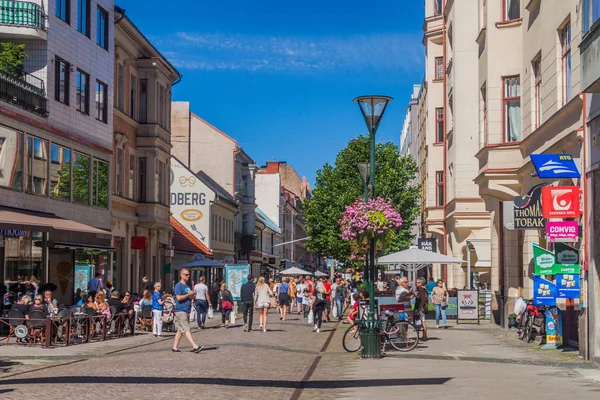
142, 147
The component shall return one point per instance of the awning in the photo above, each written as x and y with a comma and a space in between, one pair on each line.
14, 218
483, 249
185, 242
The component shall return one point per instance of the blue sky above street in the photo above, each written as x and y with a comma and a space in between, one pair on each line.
280, 76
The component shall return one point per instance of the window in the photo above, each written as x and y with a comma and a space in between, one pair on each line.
483, 118
102, 28
511, 9
100, 184
119, 173
132, 97
160, 182
81, 178
439, 188
60, 172
131, 176
83, 17
537, 92
82, 92
63, 10
482, 14
591, 13
142, 179
61, 80
143, 109
11, 159
101, 101
121, 87
439, 68
565, 65
439, 125
36, 166
511, 102
437, 7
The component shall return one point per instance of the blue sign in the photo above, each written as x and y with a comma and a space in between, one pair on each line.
554, 331
568, 286
544, 292
235, 277
552, 166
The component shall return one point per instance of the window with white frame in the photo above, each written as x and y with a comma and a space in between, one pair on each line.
537, 92
511, 10
565, 64
511, 103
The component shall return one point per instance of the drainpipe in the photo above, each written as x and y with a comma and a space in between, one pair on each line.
586, 207
444, 34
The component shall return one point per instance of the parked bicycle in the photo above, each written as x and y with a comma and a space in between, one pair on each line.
531, 322
401, 333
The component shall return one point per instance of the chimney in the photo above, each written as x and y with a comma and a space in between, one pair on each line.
272, 167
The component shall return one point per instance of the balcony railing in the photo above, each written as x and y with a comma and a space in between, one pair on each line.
22, 89
22, 13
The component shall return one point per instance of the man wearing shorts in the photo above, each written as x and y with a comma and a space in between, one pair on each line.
183, 307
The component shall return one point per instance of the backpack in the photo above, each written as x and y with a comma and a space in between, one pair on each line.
320, 299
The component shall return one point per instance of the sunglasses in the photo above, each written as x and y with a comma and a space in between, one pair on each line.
185, 274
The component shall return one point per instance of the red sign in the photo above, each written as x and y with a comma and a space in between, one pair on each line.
139, 242
560, 202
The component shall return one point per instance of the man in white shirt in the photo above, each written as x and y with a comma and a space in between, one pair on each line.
403, 294
380, 285
300, 286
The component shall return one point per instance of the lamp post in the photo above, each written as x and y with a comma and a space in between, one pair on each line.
363, 169
372, 109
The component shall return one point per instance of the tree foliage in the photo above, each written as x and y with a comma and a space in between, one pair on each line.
339, 185
12, 57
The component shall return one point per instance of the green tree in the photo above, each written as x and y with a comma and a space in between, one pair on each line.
338, 186
12, 58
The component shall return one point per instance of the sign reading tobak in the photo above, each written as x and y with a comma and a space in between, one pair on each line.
528, 210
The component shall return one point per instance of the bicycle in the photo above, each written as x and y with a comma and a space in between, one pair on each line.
531, 322
402, 334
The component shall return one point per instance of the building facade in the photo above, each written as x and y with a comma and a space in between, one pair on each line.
142, 147
56, 142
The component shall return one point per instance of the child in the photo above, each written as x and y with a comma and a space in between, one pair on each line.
306, 300
354, 313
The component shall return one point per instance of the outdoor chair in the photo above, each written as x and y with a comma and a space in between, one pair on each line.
37, 326
15, 318
63, 324
145, 319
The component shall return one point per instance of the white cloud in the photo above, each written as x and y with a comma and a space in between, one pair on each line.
360, 53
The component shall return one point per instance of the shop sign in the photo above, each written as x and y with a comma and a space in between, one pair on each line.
528, 210
544, 292
139, 242
560, 202
562, 230
467, 302
554, 336
427, 244
12, 233
568, 286
235, 277
543, 261
555, 166
567, 259
190, 201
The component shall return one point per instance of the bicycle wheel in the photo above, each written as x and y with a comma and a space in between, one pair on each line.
405, 338
523, 327
351, 340
529, 335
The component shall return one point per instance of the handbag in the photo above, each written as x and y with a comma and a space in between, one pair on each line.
226, 305
210, 314
311, 317
193, 315
232, 318
334, 311
444, 302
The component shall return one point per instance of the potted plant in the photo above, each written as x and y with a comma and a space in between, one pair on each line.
512, 320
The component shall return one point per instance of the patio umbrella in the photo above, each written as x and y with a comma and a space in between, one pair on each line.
294, 271
320, 274
200, 261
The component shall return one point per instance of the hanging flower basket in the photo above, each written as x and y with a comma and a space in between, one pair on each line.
362, 222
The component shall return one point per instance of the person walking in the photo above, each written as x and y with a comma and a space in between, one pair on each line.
284, 298
157, 307
439, 298
262, 301
430, 285
300, 294
95, 284
202, 302
247, 297
292, 294
318, 306
340, 295
421, 306
225, 305
183, 307
327, 286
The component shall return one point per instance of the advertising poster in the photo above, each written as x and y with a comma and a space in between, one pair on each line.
560, 202
82, 277
235, 277
543, 261
554, 335
467, 303
562, 230
544, 292
528, 210
567, 259
568, 286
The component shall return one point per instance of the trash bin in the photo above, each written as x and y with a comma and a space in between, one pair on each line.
370, 338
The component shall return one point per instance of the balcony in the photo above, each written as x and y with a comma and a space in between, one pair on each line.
22, 18
23, 90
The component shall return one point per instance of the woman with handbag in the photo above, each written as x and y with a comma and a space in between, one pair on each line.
262, 301
439, 298
225, 304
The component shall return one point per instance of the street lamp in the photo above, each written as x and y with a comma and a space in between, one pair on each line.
363, 169
372, 109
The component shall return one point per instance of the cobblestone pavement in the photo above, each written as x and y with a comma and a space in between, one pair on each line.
291, 362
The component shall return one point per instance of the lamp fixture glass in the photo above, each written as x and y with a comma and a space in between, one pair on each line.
363, 169
372, 109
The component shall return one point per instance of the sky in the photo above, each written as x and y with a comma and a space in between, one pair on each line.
280, 76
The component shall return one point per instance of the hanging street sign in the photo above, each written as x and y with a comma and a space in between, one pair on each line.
562, 230
567, 259
544, 292
560, 202
543, 261
528, 210
568, 286
555, 166
427, 244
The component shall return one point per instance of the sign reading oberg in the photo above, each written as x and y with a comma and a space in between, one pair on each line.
528, 210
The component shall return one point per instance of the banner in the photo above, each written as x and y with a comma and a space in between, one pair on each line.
568, 286
235, 277
528, 210
543, 261
467, 302
544, 292
560, 202
427, 244
562, 230
567, 259
554, 336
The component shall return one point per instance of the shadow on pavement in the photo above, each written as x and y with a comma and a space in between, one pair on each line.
5, 365
161, 380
